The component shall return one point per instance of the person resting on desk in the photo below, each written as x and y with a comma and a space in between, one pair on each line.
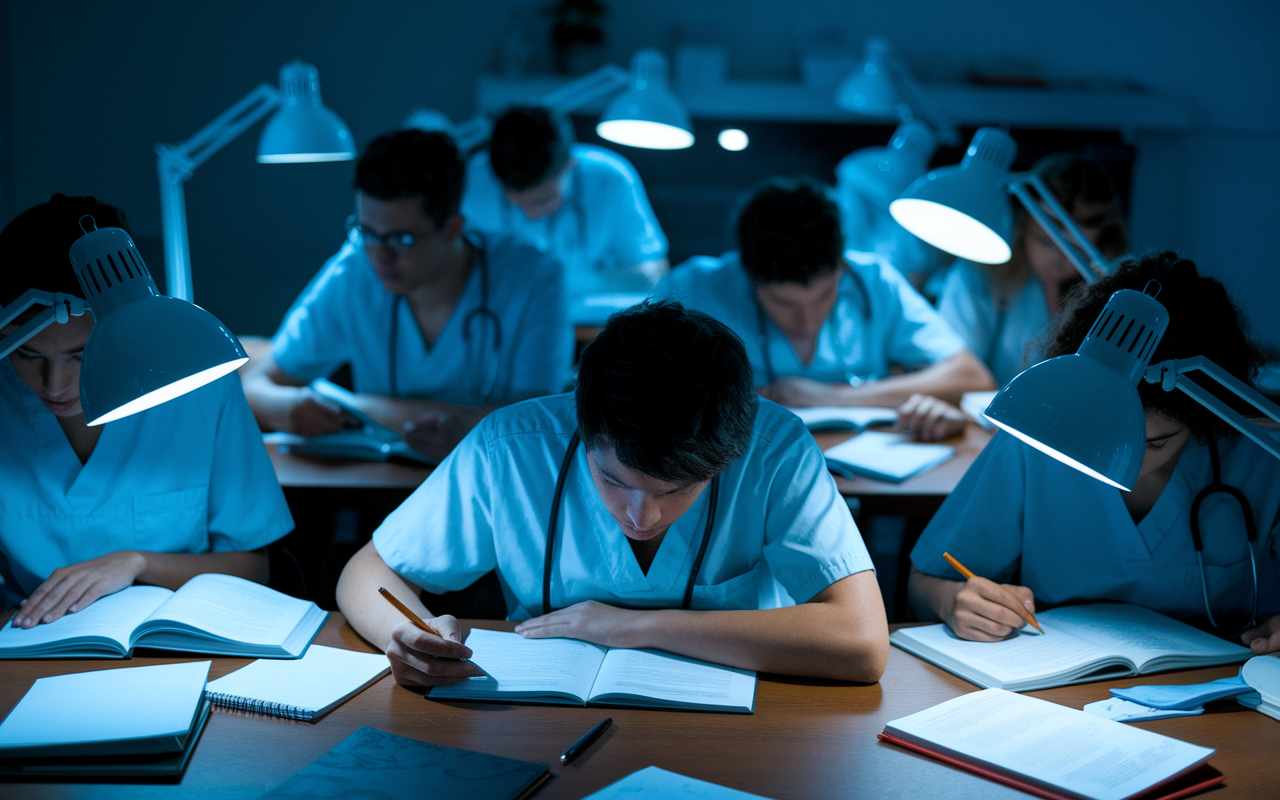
158, 497
664, 449
1003, 311
1039, 532
821, 330
438, 324
584, 205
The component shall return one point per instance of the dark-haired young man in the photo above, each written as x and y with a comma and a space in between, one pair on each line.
440, 325
584, 205
663, 433
822, 330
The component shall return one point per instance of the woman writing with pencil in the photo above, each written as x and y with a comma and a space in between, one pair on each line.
1037, 532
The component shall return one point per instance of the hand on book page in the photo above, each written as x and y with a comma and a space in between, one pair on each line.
1265, 638
419, 658
76, 586
985, 611
590, 621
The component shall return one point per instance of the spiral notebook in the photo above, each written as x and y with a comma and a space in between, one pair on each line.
306, 688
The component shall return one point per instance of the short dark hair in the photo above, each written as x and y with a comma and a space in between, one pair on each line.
414, 163
789, 232
1203, 321
529, 145
670, 389
35, 246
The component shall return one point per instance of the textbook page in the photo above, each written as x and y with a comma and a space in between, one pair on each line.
648, 675
1151, 640
1050, 744
843, 418
230, 608
527, 667
112, 617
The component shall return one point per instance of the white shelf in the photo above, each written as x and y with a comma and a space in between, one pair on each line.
1129, 111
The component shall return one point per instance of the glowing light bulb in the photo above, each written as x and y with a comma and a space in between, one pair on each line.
733, 139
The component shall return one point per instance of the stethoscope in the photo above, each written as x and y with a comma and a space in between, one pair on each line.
762, 328
485, 315
1250, 531
572, 200
549, 560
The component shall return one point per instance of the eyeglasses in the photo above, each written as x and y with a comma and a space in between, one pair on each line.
396, 241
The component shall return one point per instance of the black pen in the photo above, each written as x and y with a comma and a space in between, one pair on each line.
590, 736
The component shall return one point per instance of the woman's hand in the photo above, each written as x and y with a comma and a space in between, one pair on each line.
930, 419
985, 611
1265, 638
74, 587
419, 658
589, 621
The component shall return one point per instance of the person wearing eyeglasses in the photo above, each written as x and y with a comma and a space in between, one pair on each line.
439, 324
663, 504
1003, 311
822, 329
583, 204
1040, 534
157, 497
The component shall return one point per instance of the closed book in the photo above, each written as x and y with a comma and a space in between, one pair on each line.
306, 688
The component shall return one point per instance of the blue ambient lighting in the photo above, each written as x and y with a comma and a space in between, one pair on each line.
733, 139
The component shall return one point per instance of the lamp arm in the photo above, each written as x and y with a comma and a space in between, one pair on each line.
475, 132
1081, 252
1171, 374
61, 307
175, 164
916, 102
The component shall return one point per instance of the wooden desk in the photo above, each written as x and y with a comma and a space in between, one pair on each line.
295, 471
920, 495
804, 741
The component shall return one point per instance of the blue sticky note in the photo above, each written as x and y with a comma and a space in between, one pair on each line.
1183, 697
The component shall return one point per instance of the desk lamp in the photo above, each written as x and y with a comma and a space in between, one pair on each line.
303, 129
882, 173
145, 348
965, 209
1083, 409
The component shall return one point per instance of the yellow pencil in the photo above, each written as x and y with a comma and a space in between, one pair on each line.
403, 609
1022, 610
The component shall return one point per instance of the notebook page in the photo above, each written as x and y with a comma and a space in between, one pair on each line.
1026, 655
517, 664
108, 705
322, 677
677, 679
892, 456
1138, 633
233, 608
1053, 744
852, 417
113, 617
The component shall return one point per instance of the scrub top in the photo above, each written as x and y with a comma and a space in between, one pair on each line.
782, 532
523, 347
603, 226
188, 476
1006, 334
1019, 516
878, 322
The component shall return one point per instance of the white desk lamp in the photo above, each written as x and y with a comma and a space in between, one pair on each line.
145, 348
1083, 409
965, 209
647, 115
303, 129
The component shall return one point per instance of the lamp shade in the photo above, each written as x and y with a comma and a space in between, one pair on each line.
145, 348
303, 128
1083, 409
647, 115
881, 174
965, 209
869, 89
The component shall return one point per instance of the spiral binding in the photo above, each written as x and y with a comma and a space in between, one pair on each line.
238, 703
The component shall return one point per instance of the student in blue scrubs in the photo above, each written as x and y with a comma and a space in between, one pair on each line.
1040, 533
585, 205
1005, 311
822, 330
158, 497
439, 325
669, 424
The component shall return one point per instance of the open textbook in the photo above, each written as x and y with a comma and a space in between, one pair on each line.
573, 672
371, 441
843, 418
211, 613
1080, 644
1053, 751
885, 456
